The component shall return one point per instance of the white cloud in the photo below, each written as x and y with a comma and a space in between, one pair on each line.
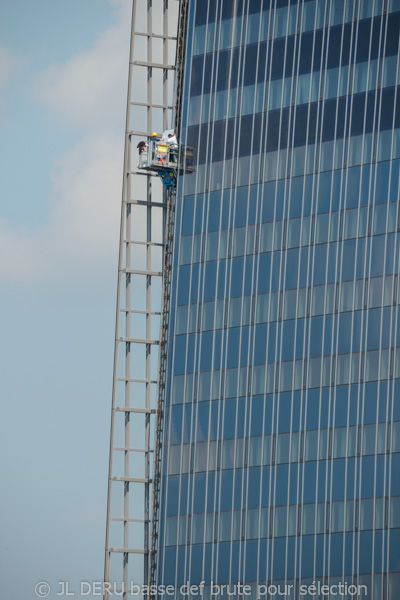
18, 253
83, 226
88, 192
87, 92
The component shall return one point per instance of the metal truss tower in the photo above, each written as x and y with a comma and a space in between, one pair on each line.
140, 300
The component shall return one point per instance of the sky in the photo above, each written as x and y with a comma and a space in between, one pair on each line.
63, 82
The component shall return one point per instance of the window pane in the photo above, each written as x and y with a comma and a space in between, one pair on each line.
209, 527
379, 512
171, 531
292, 530
375, 292
289, 310
350, 224
186, 250
318, 298
264, 522
323, 443
360, 77
255, 451
236, 524
252, 524
248, 99
389, 71
368, 439
174, 460
321, 518
182, 537
339, 443
201, 457
275, 94
280, 518
331, 83
337, 12
342, 369
226, 32
239, 241
366, 513
372, 366
294, 228
197, 528
267, 450
308, 518
281, 18
228, 454
379, 221
294, 447
267, 230
337, 516
283, 447
253, 26
262, 308
314, 372
225, 521
395, 512
396, 437
311, 445
199, 39
346, 296
181, 319
208, 316
235, 311
322, 228
303, 88
286, 376
305, 231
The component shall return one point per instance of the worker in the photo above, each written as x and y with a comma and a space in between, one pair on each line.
141, 146
173, 147
172, 139
155, 138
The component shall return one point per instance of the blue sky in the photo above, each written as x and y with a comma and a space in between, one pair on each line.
63, 77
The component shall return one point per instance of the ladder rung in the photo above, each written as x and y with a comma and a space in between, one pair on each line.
149, 411
136, 311
130, 520
142, 272
140, 450
148, 244
144, 203
125, 379
129, 550
156, 35
138, 341
132, 479
149, 104
152, 65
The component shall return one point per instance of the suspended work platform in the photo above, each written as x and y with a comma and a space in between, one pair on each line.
166, 160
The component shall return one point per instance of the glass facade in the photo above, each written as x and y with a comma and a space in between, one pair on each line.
282, 432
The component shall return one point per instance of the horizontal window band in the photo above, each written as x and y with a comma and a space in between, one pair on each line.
314, 123
320, 49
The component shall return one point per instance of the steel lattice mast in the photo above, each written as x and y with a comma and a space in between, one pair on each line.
139, 301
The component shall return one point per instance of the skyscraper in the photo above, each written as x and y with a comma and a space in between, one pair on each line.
281, 461
281, 439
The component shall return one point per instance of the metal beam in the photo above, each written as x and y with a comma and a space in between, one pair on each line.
130, 340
